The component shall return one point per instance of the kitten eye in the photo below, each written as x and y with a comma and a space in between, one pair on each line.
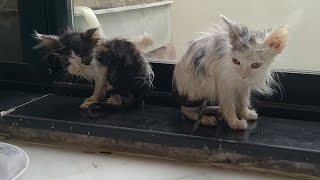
255, 65
236, 61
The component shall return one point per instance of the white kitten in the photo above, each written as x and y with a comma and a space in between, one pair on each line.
225, 66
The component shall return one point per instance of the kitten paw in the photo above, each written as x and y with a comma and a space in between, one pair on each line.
87, 103
252, 115
249, 114
238, 125
208, 121
115, 100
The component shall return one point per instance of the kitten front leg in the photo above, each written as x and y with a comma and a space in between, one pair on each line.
100, 90
228, 108
243, 105
193, 113
229, 114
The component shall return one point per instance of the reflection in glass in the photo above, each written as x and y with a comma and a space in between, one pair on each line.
145, 22
10, 42
162, 28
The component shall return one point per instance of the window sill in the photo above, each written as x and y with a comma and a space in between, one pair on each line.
268, 139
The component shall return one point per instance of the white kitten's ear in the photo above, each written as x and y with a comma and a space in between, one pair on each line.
227, 21
236, 30
277, 40
49, 41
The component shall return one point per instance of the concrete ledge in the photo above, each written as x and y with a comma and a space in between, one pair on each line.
203, 157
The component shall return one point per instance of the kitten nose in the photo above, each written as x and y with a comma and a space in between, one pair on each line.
243, 77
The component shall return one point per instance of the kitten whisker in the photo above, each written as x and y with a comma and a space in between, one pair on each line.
61, 74
65, 78
78, 79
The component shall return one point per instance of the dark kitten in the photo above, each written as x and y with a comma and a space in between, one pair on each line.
116, 66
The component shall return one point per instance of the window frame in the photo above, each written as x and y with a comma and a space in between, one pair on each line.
31, 17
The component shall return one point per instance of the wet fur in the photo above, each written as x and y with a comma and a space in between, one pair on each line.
115, 66
206, 71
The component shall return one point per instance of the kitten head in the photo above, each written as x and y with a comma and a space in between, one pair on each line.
75, 49
252, 52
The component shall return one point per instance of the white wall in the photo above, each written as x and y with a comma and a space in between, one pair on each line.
303, 50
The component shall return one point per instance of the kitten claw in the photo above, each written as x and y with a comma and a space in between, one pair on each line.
238, 125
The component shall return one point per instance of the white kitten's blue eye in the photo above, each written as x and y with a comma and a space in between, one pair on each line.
236, 61
255, 65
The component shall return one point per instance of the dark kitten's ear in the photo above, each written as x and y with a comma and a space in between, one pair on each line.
277, 40
51, 42
92, 35
235, 30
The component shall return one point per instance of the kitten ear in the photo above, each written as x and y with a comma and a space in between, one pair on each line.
227, 21
277, 40
91, 33
235, 30
51, 42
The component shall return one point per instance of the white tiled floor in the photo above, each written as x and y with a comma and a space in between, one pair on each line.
59, 164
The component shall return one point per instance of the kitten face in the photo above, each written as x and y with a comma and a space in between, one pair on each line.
252, 52
246, 66
73, 48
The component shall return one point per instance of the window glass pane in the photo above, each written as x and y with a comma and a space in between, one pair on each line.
162, 29
10, 42
146, 22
